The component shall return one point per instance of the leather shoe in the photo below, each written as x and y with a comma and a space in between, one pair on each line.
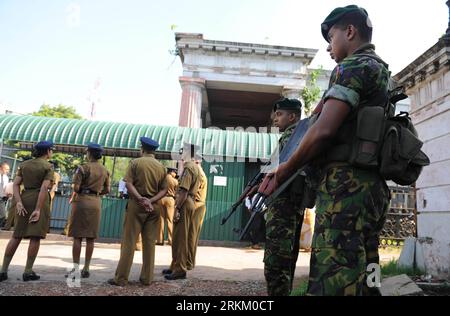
32, 276
175, 276
166, 271
3, 276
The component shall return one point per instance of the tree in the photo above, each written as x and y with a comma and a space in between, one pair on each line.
59, 111
311, 93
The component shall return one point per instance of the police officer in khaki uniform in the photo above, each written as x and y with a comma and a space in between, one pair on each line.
199, 215
184, 214
146, 184
90, 182
168, 206
33, 208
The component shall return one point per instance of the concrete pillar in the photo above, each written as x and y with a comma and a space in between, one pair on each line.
191, 102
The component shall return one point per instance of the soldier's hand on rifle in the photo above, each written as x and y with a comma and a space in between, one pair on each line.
273, 180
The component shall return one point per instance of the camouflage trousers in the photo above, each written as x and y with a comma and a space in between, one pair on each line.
283, 225
350, 214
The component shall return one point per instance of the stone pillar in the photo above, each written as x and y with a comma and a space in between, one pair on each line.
191, 102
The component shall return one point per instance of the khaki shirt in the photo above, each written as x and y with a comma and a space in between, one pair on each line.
203, 188
190, 179
92, 176
34, 172
172, 185
147, 175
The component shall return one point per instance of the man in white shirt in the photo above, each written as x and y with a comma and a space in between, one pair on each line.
4, 179
123, 192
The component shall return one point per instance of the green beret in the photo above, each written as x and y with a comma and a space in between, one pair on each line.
287, 104
337, 14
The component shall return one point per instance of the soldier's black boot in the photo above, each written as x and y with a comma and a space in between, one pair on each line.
31, 276
3, 276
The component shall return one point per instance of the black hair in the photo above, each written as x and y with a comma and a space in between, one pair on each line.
39, 152
147, 149
359, 21
296, 112
96, 154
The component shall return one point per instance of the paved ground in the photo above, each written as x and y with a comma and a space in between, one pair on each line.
219, 270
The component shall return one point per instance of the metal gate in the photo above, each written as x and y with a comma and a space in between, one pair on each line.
401, 217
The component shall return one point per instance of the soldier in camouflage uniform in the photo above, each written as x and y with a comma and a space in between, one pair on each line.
352, 199
284, 217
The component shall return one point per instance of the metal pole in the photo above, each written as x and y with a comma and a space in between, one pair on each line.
13, 174
113, 169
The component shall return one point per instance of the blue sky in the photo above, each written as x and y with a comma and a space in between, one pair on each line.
55, 51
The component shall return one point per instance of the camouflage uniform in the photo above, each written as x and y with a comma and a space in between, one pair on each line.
283, 224
351, 202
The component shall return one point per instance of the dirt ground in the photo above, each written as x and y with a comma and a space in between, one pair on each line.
219, 271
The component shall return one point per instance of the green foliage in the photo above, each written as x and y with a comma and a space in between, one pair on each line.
391, 269
120, 167
311, 92
59, 111
67, 163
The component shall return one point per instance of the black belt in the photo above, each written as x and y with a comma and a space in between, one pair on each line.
32, 189
88, 191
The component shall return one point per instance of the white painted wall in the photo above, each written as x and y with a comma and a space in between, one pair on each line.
430, 105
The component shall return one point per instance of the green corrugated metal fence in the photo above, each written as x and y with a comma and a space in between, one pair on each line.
111, 220
220, 199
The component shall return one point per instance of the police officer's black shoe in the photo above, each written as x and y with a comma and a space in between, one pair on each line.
166, 271
85, 274
3, 276
113, 282
175, 276
31, 276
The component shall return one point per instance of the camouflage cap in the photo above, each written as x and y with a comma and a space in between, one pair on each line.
287, 104
337, 14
